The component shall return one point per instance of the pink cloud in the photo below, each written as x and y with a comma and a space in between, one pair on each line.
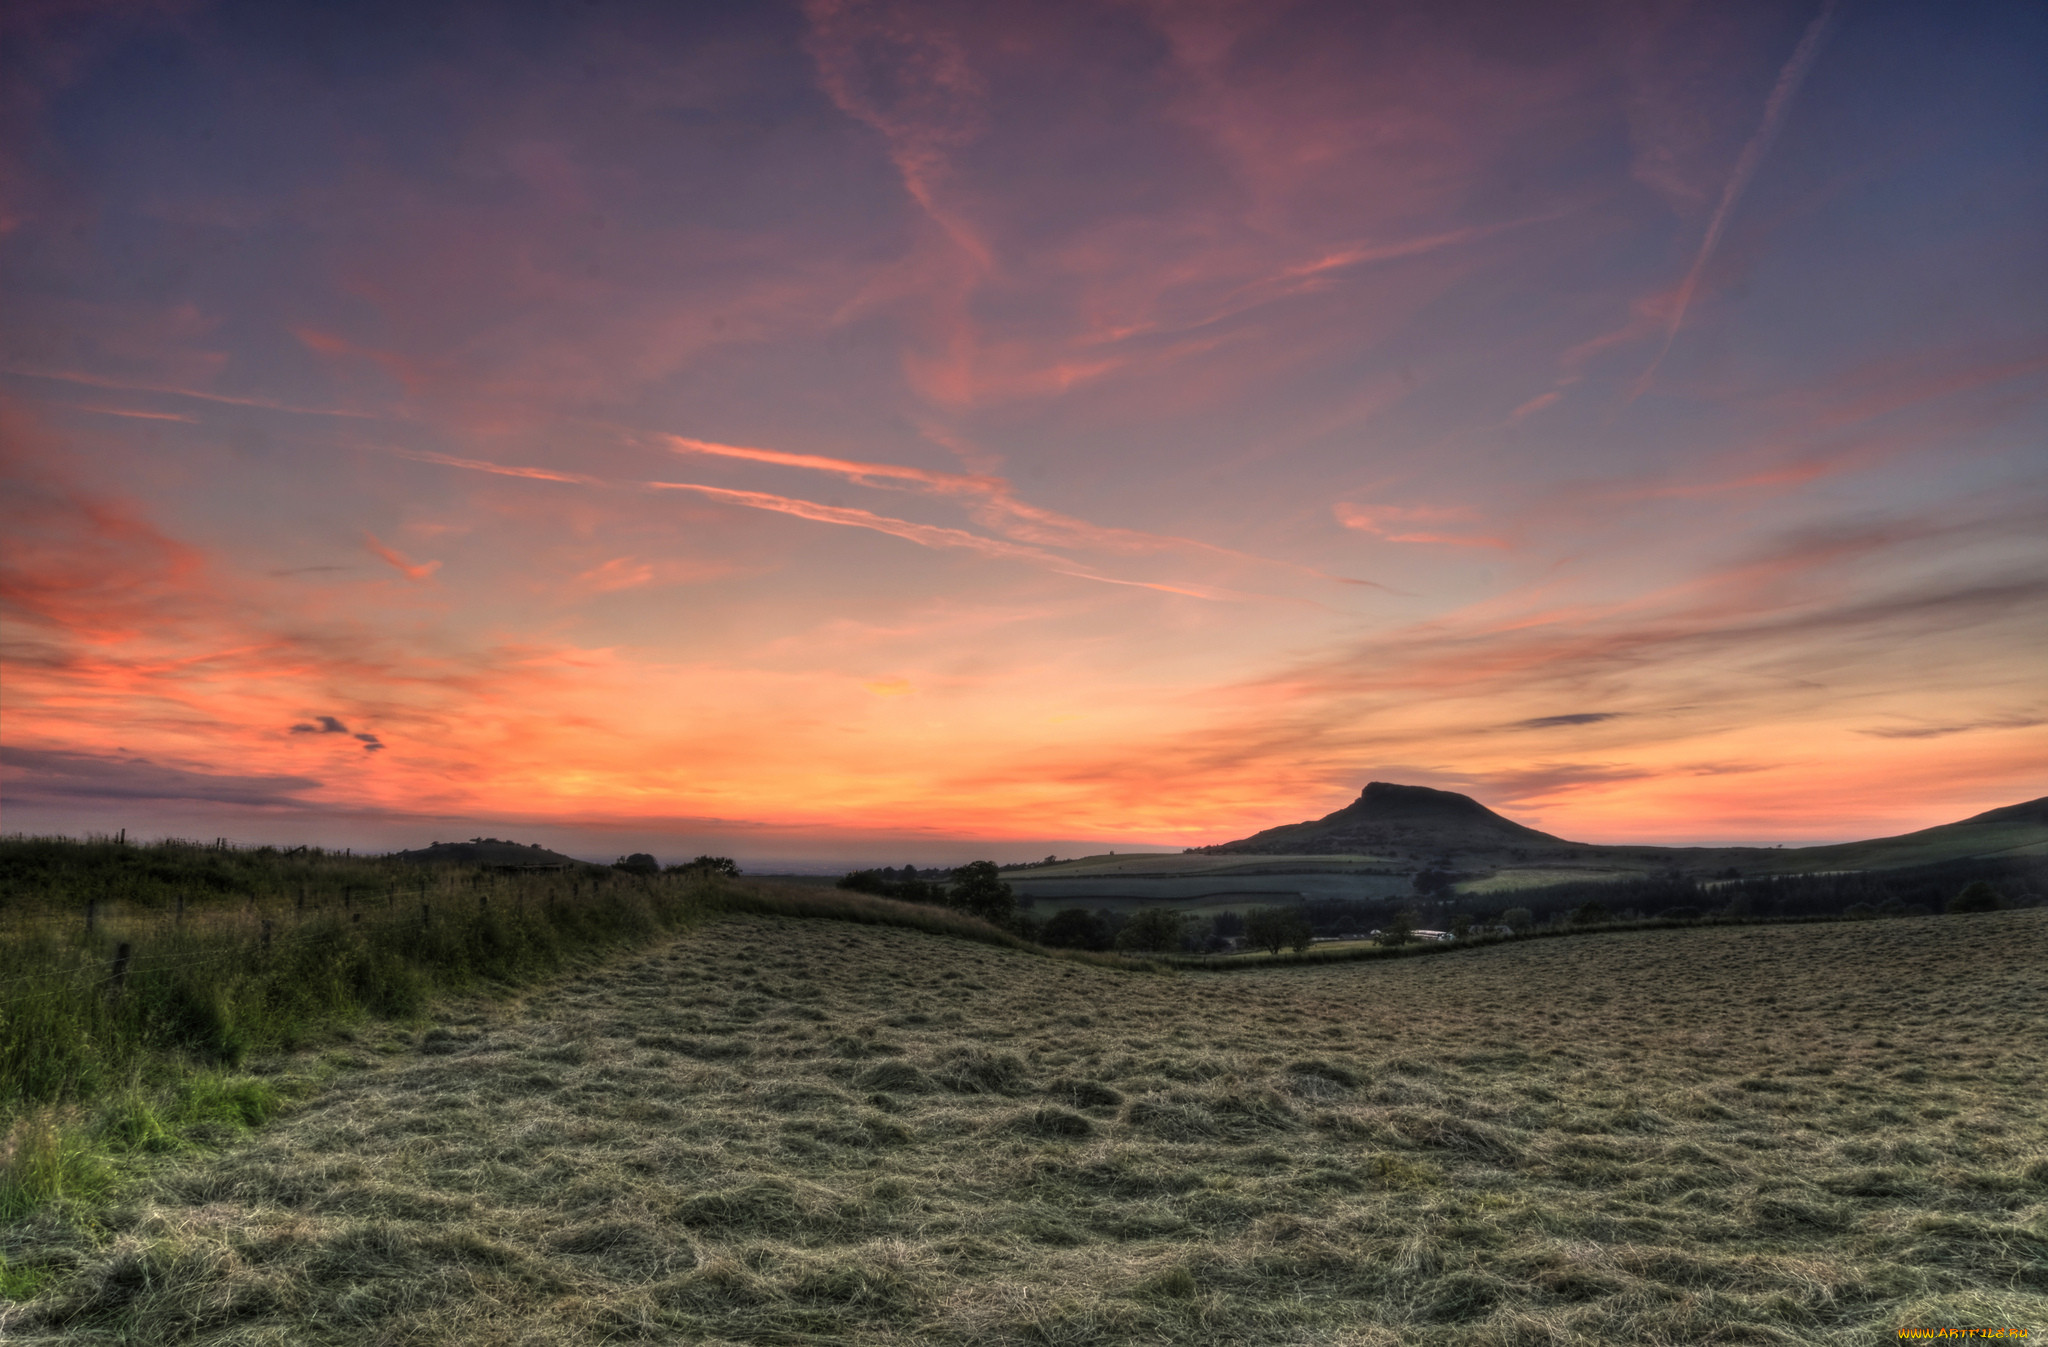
413, 571
1381, 521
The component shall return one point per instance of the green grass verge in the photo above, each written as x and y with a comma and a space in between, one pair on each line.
137, 982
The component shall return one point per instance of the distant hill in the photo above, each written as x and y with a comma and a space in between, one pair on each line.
1418, 823
1391, 819
485, 851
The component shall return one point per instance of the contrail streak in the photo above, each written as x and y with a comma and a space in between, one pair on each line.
1745, 168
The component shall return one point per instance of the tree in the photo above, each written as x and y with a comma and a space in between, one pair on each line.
639, 863
1461, 926
1977, 896
1432, 881
1518, 919
1150, 929
867, 881
1074, 928
1399, 931
979, 889
707, 865
1274, 928
1591, 913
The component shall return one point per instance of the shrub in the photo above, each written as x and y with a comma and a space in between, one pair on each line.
639, 863
1977, 896
1074, 928
1859, 912
706, 865
1399, 931
1591, 913
1680, 914
1518, 919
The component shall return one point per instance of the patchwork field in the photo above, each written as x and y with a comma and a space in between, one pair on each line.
785, 1131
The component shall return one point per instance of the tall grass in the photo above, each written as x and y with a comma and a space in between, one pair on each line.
134, 980
282, 955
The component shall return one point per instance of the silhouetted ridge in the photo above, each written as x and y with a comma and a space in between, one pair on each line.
2033, 811
487, 851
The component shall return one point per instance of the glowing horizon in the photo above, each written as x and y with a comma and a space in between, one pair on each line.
903, 432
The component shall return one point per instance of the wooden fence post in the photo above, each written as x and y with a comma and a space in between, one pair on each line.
266, 935
119, 977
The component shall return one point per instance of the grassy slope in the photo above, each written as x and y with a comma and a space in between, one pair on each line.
793, 1131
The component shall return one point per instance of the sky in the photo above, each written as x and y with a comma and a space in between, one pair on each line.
845, 431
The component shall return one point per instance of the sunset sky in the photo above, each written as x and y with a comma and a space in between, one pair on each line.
842, 431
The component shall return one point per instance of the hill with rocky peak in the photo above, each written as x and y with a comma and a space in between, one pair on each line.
1390, 819
1418, 823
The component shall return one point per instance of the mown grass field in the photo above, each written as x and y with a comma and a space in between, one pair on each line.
780, 1130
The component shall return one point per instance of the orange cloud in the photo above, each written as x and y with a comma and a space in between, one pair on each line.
413, 571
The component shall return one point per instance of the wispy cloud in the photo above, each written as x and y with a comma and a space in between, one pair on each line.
1383, 521
1572, 718
498, 469
129, 412
1943, 731
933, 535
1775, 107
36, 775
196, 394
992, 502
411, 570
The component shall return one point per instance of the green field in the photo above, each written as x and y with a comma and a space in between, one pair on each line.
776, 1130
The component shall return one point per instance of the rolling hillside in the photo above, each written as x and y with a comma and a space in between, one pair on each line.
1373, 846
